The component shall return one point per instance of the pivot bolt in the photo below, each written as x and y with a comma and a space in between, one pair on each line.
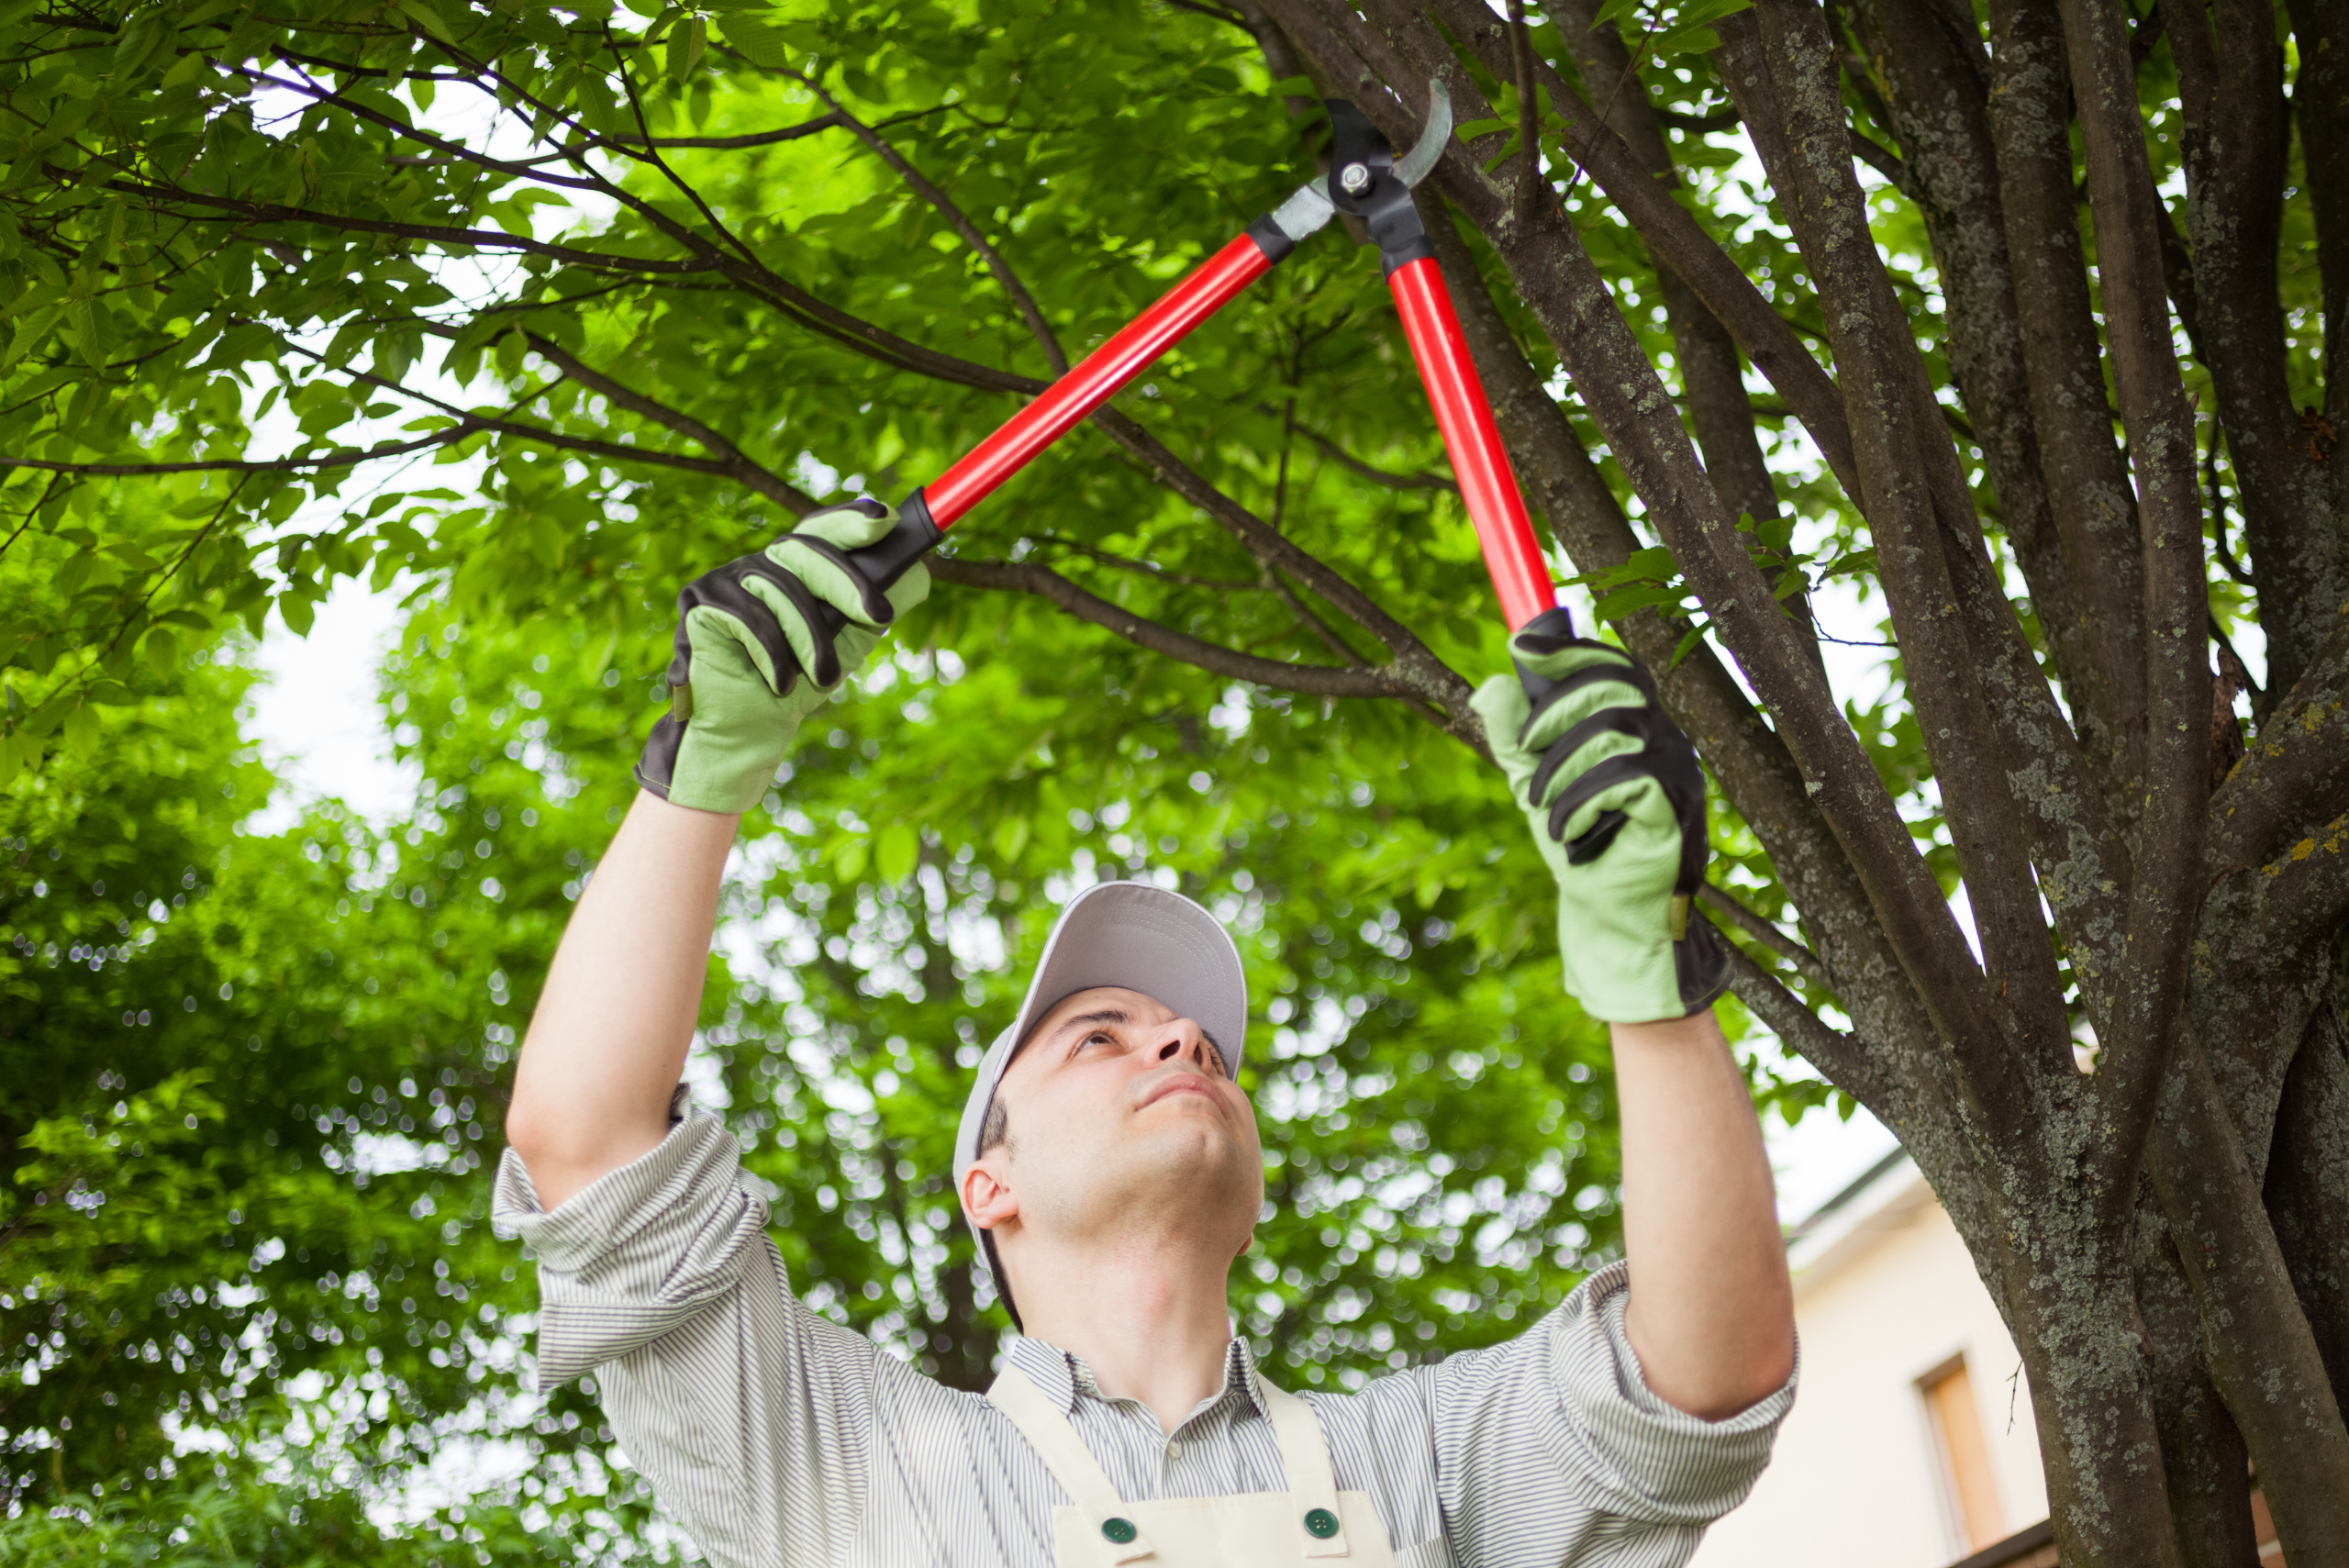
1356, 178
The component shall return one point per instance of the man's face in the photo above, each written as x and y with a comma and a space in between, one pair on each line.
1123, 1119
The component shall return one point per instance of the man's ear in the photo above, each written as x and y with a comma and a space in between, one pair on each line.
985, 1197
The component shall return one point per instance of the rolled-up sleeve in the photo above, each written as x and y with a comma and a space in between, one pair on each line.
1552, 1449
751, 1415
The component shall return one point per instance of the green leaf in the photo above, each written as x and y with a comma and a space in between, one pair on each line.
849, 863
1624, 601
687, 44
424, 16
896, 851
760, 44
1010, 836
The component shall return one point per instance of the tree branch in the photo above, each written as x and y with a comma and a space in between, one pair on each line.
1354, 465
754, 475
1000, 269
1843, 1058
1766, 932
873, 342
348, 456
2235, 150
2296, 772
1030, 577
2167, 887
1673, 237
1905, 464
1416, 666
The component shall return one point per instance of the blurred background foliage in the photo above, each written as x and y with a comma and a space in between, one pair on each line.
253, 1312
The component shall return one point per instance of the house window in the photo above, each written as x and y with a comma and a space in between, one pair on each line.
1956, 1420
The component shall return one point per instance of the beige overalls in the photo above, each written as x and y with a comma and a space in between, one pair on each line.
1312, 1523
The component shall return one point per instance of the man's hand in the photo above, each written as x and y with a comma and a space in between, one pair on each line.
752, 658
1617, 806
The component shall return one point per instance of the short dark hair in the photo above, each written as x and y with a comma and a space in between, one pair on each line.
995, 1132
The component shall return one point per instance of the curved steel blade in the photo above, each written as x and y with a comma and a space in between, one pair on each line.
1415, 165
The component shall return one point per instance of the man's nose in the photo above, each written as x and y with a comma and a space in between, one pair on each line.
1187, 1042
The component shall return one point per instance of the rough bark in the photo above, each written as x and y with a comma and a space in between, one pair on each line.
2307, 1190
2260, 1351
1938, 103
1899, 448
2087, 479
2321, 105
2231, 76
2295, 773
2203, 1458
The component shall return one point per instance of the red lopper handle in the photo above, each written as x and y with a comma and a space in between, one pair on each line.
1520, 575
1096, 378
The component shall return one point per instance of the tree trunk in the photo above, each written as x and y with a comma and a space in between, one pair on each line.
2203, 1457
2087, 1354
2257, 1345
2306, 1189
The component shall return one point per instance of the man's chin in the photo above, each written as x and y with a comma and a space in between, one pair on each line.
1190, 1153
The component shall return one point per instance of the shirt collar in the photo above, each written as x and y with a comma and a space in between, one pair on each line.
1065, 1379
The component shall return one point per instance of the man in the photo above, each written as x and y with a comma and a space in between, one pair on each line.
1110, 1163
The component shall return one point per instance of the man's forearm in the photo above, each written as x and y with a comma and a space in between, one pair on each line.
1711, 1311
608, 1040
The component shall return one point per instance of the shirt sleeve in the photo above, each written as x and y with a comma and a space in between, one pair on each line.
1552, 1449
751, 1415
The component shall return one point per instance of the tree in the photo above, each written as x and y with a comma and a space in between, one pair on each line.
669, 279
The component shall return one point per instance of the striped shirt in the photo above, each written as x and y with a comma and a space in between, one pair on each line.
775, 1435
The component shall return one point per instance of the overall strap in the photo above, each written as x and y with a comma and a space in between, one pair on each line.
1048, 1431
1312, 1485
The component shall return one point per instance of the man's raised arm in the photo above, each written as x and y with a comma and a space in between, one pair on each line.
1617, 806
608, 1040
608, 1043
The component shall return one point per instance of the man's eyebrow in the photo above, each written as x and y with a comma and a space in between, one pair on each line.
1099, 1016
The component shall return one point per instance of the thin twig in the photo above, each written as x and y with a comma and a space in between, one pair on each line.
1607, 109
1146, 568
2219, 547
1354, 465
1217, 12
347, 458
33, 511
1032, 577
1766, 932
83, 675
1529, 184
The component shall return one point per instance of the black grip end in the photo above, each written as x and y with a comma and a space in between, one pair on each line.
1270, 240
885, 559
1555, 623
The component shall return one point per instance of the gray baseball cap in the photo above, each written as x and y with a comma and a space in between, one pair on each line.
1129, 934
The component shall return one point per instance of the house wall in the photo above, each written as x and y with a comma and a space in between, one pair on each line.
1882, 1297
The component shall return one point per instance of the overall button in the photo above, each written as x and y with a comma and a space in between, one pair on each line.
1122, 1530
1320, 1523
1174, 1450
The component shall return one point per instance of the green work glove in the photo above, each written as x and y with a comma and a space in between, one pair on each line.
752, 658
1617, 805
